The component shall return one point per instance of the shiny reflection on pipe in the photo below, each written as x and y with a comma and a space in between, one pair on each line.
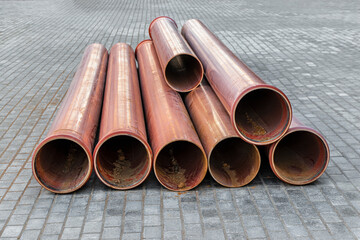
182, 69
301, 156
259, 112
62, 162
232, 162
179, 161
122, 155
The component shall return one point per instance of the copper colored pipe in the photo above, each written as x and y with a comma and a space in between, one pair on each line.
122, 156
259, 112
300, 156
182, 69
232, 162
179, 160
62, 162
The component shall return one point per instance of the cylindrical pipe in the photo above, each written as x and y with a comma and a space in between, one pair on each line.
179, 160
181, 68
300, 156
62, 162
122, 156
259, 112
232, 162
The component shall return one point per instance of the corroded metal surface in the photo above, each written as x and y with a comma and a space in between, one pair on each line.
259, 112
181, 68
179, 160
122, 157
62, 162
300, 156
232, 162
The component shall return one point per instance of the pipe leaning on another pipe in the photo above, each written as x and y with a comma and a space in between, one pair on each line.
259, 112
181, 68
122, 156
179, 161
62, 162
300, 156
232, 162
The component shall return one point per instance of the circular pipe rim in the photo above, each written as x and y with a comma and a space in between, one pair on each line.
200, 179
116, 134
293, 130
225, 185
140, 43
197, 82
258, 87
157, 18
63, 137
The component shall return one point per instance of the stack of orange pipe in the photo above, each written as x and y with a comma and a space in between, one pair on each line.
218, 127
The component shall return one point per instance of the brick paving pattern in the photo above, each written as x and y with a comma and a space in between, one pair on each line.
307, 48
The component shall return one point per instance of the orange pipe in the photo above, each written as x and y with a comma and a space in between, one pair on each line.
232, 162
300, 156
62, 162
122, 156
182, 69
179, 160
260, 113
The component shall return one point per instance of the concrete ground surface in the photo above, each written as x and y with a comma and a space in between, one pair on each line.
308, 48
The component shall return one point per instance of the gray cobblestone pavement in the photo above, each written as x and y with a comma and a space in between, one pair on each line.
307, 48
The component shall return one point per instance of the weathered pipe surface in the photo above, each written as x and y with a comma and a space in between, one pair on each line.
300, 156
181, 68
122, 156
232, 162
179, 160
62, 162
259, 112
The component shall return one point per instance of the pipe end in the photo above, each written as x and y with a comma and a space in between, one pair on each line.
156, 19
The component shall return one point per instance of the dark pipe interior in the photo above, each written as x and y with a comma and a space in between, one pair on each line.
61, 164
123, 161
300, 156
183, 72
234, 163
262, 115
180, 165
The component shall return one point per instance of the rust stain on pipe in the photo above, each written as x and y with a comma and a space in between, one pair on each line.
232, 162
182, 69
259, 112
179, 160
62, 162
300, 156
122, 156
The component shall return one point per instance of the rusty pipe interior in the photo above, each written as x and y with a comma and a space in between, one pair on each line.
262, 115
62, 164
178, 164
123, 161
300, 157
234, 162
182, 71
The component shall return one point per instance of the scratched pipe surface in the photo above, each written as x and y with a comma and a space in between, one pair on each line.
179, 160
122, 156
232, 162
300, 156
182, 69
259, 112
62, 162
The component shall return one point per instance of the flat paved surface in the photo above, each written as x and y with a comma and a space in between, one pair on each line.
308, 48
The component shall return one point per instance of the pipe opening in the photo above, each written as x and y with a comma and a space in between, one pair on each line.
234, 163
180, 166
183, 72
300, 157
262, 115
62, 165
123, 162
